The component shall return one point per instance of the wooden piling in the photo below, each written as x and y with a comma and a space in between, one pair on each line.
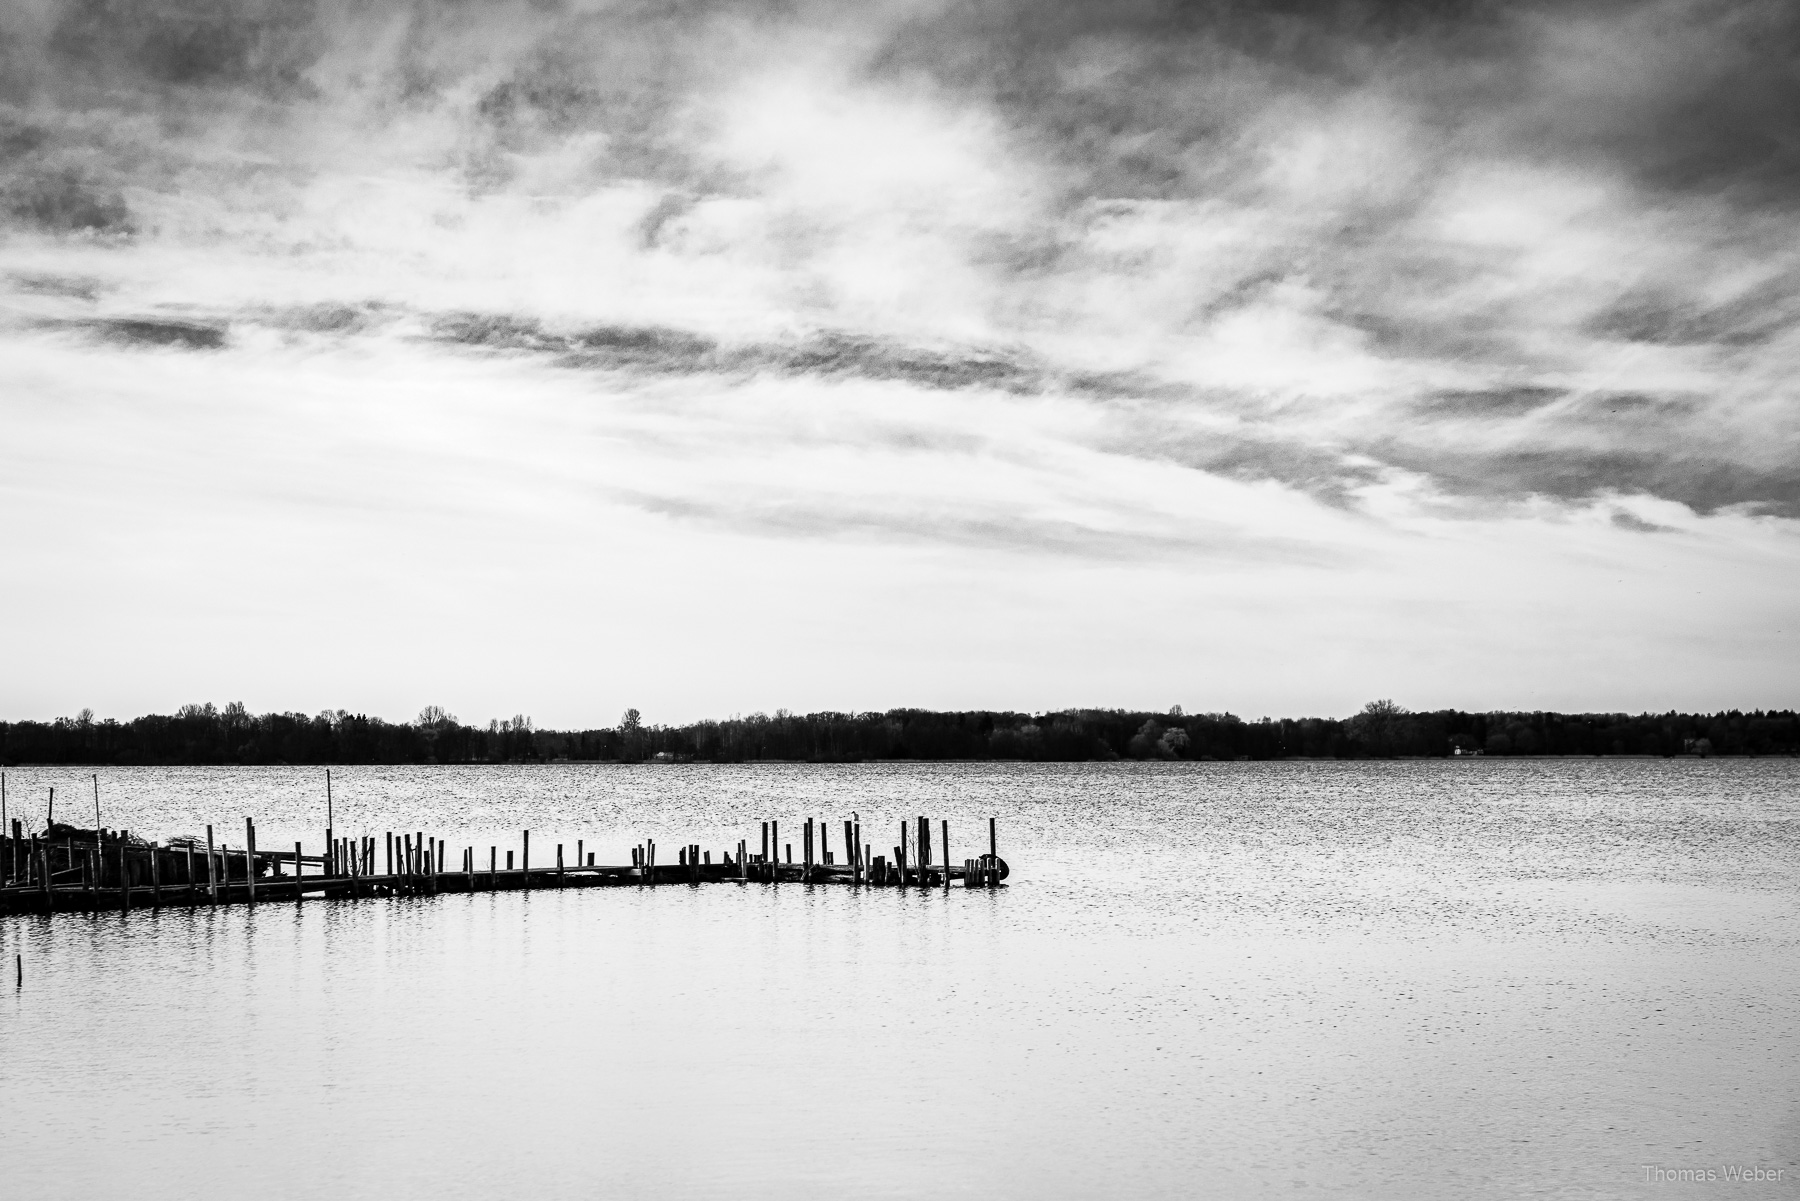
250, 857
946, 843
155, 876
212, 876
559, 865
525, 859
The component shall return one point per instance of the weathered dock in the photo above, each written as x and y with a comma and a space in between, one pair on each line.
66, 868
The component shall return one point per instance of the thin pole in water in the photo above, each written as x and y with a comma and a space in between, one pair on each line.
96, 808
50, 817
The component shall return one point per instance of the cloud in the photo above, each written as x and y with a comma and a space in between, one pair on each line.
1330, 247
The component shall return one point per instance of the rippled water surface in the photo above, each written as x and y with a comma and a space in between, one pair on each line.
1489, 979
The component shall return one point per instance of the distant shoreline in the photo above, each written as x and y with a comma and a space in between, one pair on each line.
204, 735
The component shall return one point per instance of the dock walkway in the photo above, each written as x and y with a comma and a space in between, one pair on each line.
70, 869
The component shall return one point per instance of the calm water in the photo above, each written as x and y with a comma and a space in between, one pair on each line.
1486, 979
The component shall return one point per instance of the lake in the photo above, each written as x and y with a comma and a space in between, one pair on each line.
1487, 978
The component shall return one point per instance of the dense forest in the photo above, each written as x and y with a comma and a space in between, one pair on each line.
206, 734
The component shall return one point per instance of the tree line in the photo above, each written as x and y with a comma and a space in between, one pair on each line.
206, 734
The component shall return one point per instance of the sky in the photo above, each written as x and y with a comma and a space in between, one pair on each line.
711, 358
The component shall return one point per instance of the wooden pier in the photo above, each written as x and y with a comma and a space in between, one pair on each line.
70, 869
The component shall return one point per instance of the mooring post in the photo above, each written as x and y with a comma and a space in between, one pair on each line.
250, 857
946, 841
493, 867
330, 825
155, 876
212, 876
559, 865
525, 859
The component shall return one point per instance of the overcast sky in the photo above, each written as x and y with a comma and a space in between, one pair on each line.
720, 357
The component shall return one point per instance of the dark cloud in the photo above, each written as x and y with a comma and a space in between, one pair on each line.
661, 350
1253, 456
157, 332
1761, 313
266, 44
64, 202
327, 318
1705, 483
1637, 525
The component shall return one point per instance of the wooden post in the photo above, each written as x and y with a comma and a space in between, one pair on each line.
525, 859
390, 853
493, 868
212, 876
946, 843
250, 856
330, 825
124, 876
155, 876
296, 873
559, 865
190, 871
